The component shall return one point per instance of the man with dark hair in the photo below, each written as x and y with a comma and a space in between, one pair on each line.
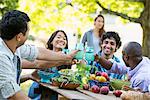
14, 28
110, 43
138, 67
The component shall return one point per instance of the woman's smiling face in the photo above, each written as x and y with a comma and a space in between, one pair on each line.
60, 41
99, 23
108, 46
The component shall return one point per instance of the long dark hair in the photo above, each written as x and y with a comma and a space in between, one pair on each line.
101, 31
13, 23
49, 45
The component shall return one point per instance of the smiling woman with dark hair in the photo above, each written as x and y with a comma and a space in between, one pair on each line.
57, 42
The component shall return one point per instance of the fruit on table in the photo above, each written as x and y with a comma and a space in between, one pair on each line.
92, 77
101, 78
108, 79
104, 74
98, 73
104, 90
117, 93
85, 86
95, 89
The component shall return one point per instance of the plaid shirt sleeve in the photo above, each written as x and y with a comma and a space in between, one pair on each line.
29, 52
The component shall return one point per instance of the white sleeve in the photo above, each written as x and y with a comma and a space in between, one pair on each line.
29, 52
9, 89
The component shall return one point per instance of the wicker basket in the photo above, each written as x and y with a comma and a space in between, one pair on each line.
63, 85
70, 86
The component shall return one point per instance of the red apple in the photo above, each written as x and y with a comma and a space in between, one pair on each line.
85, 86
98, 73
117, 93
104, 74
95, 89
104, 90
108, 79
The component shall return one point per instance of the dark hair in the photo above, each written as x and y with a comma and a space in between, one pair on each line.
133, 49
114, 35
12, 23
101, 31
49, 45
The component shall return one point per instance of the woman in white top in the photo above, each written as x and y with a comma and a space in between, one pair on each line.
92, 37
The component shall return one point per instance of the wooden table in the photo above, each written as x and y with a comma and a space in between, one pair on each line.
99, 96
70, 94
48, 90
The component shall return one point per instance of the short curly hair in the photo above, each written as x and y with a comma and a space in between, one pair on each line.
12, 23
114, 35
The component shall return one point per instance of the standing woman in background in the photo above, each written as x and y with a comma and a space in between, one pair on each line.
92, 37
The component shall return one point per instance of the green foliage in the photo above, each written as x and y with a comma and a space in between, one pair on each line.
50, 15
132, 9
6, 5
118, 84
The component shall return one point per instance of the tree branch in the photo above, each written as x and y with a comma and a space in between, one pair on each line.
137, 20
136, 0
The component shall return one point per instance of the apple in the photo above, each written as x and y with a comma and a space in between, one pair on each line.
117, 93
85, 86
98, 73
108, 79
95, 89
104, 90
104, 74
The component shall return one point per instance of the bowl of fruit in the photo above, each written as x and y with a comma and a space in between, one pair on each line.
99, 78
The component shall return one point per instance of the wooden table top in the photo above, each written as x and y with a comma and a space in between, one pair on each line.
70, 94
99, 96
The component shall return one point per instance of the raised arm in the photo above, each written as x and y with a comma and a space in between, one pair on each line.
46, 54
104, 62
42, 64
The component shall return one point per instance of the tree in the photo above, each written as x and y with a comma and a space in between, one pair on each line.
137, 11
6, 5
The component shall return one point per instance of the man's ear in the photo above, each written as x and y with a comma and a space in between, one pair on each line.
127, 57
18, 36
